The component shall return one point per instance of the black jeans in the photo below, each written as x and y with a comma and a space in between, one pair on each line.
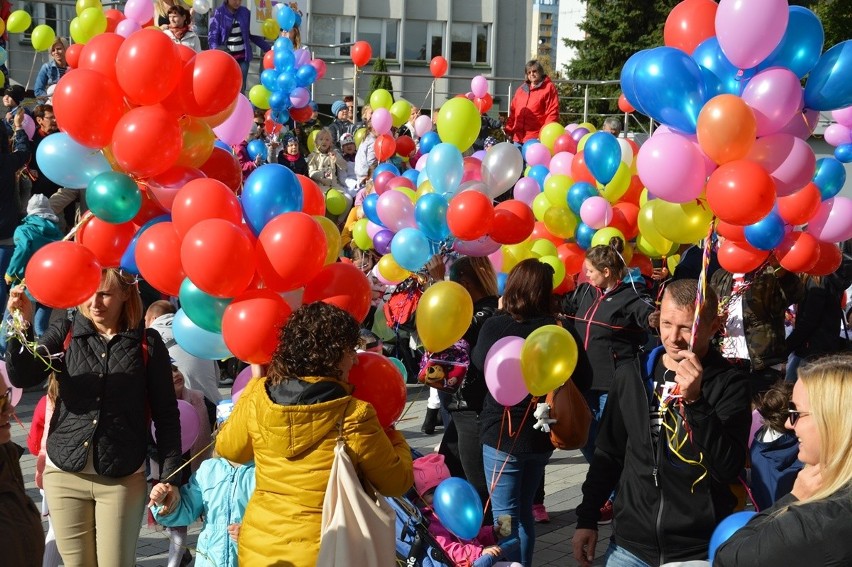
462, 452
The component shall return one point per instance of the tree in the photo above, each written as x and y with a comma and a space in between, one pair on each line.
379, 80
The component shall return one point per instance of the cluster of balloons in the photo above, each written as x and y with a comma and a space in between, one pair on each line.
389, 113
41, 37
287, 76
839, 134
732, 146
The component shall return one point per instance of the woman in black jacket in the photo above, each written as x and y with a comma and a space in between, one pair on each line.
809, 526
112, 375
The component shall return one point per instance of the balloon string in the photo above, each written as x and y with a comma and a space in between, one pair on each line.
702, 284
495, 480
32, 68
188, 461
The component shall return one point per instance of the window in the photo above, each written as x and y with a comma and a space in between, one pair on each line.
423, 40
481, 31
382, 35
469, 43
331, 30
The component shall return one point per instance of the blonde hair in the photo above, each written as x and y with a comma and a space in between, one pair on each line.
131, 311
829, 385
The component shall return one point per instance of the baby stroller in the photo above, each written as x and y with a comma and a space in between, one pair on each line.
415, 546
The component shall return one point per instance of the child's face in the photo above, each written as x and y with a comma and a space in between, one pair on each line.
349, 149
323, 142
292, 147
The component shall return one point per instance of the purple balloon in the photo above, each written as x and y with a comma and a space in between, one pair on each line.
395, 210
237, 126
373, 229
526, 190
789, 160
382, 241
300, 97
833, 220
190, 423
482, 246
578, 134
127, 27
838, 134
503, 374
240, 383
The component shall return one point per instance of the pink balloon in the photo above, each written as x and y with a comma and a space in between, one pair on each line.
833, 221
396, 211
798, 126
748, 31
300, 97
672, 168
422, 125
380, 183
537, 154
596, 212
237, 126
709, 165
165, 186
560, 164
482, 246
400, 181
478, 154
16, 392
381, 121
571, 127
240, 383
138, 11
843, 116
127, 27
479, 86
472, 169
837, 135
29, 126
373, 229
421, 162
496, 259
526, 190
320, 66
190, 423
789, 160
503, 371
775, 96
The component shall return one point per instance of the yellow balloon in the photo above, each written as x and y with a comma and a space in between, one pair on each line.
401, 112
558, 268
412, 196
556, 188
359, 136
78, 31
335, 202
543, 247
18, 21
683, 223
627, 254
560, 222
540, 205
2, 28
312, 140
83, 4
514, 253
444, 314
643, 197
259, 96
381, 98
359, 235
588, 126
270, 29
94, 21
643, 247
648, 230
459, 123
604, 235
581, 145
390, 270
618, 185
548, 359
672, 262
332, 238
424, 188
42, 37
549, 133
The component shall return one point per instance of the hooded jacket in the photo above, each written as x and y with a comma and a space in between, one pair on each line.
290, 430
32, 234
532, 107
774, 466
220, 26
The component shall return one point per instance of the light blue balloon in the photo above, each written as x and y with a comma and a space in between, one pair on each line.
458, 505
445, 167
411, 249
67, 163
270, 190
430, 213
767, 233
801, 46
286, 17
412, 175
539, 172
829, 177
283, 61
422, 176
196, 341
269, 79
670, 87
501, 282
583, 235
829, 86
283, 44
720, 75
602, 155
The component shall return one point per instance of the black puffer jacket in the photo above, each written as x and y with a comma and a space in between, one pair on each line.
105, 391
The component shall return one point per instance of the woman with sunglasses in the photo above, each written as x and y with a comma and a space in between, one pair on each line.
811, 525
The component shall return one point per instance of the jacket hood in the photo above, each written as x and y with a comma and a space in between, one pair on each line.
163, 325
46, 224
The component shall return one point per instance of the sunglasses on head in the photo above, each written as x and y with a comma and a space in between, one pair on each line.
796, 414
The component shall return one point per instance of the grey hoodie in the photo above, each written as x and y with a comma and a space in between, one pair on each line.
199, 374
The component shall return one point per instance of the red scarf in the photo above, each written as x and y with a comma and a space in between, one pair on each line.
179, 32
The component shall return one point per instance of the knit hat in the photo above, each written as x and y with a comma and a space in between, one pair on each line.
17, 93
287, 136
429, 472
337, 107
39, 205
489, 141
346, 138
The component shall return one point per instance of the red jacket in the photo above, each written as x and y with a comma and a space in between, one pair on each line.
532, 108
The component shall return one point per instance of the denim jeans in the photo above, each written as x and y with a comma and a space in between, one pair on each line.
244, 69
620, 557
597, 401
513, 493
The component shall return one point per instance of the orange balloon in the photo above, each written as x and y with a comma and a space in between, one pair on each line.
197, 142
385, 147
726, 128
579, 171
689, 23
313, 199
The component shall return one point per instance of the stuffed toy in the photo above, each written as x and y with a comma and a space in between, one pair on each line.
543, 419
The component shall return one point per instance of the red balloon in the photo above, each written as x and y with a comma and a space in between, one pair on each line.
252, 323
377, 381
320, 66
185, 53
385, 147
301, 114
438, 66
202, 199
342, 285
223, 166
829, 260
218, 257
580, 172
740, 192
634, 191
513, 222
624, 105
100, 54
72, 54
470, 215
113, 17
88, 106
63, 274
564, 143
646, 267
400, 181
798, 252
210, 82
630, 213
472, 169
733, 232
150, 64
566, 286
147, 139
291, 250
540, 232
405, 146
107, 241
801, 206
381, 182
313, 199
165, 186
268, 60
150, 207
158, 258
483, 104
361, 52
572, 256
740, 257
689, 23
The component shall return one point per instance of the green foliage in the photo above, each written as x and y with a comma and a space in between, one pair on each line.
379, 81
836, 18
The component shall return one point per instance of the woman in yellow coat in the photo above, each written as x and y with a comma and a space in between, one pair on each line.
288, 423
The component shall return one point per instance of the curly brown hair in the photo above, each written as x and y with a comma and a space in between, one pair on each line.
313, 342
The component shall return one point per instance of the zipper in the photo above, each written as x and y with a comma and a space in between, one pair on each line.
655, 474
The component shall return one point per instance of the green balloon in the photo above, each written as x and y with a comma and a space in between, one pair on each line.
202, 308
113, 197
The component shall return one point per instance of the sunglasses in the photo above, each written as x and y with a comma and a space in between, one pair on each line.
795, 415
6, 401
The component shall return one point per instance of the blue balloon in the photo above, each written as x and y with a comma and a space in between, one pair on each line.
67, 163
828, 86
670, 87
602, 155
501, 282
411, 249
279, 100
428, 141
767, 233
283, 61
286, 82
430, 213
283, 44
843, 153
385, 166
306, 75
269, 79
727, 528
128, 258
280, 116
830, 175
538, 172
720, 75
256, 148
270, 190
196, 341
458, 505
286, 17
801, 46
628, 85
298, 21
578, 193
583, 235
445, 167
412, 175
368, 205
526, 146
220, 144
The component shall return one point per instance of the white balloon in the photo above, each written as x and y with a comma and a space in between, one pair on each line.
201, 6
502, 166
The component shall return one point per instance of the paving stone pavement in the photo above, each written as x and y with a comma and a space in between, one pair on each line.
563, 478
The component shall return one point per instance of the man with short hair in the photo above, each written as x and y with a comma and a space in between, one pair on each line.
671, 445
612, 125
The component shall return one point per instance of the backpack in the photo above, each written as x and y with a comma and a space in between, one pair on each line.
402, 304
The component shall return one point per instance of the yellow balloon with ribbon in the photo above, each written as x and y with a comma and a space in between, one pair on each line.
423, 189
400, 112
549, 133
19, 21
78, 31
335, 202
42, 37
259, 96
604, 235
381, 98
548, 359
684, 223
332, 238
459, 123
390, 270
444, 314
542, 247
